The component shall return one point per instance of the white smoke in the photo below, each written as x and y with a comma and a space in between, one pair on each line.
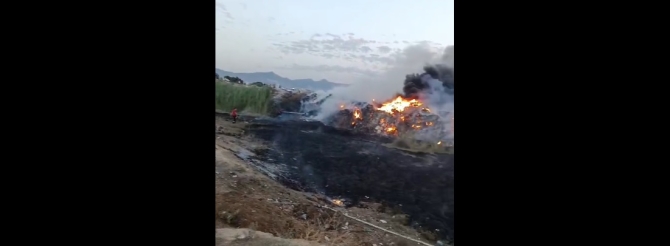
390, 82
441, 103
387, 83
448, 56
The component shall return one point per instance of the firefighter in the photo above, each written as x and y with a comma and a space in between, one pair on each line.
234, 115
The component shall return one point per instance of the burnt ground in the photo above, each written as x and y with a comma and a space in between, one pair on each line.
249, 198
311, 157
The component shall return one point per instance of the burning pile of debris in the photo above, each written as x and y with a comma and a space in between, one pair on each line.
424, 112
393, 118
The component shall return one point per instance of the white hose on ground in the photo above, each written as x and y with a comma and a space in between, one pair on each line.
370, 224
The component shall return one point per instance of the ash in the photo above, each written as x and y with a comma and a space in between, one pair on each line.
347, 163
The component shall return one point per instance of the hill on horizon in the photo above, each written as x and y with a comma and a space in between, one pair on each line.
273, 78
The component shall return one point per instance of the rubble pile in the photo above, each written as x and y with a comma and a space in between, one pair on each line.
394, 118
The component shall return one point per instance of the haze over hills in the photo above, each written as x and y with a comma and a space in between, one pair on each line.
273, 78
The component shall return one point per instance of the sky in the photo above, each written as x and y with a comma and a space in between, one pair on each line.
342, 41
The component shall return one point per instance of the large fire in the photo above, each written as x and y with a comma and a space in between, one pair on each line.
394, 117
398, 105
401, 109
398, 112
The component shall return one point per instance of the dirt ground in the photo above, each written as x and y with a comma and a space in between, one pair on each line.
272, 213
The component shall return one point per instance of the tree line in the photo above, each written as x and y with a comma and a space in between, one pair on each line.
231, 79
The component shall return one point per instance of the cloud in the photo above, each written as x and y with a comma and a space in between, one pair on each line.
329, 56
271, 19
384, 85
336, 43
224, 10
333, 35
285, 34
331, 46
374, 58
335, 68
221, 6
384, 49
428, 42
343, 49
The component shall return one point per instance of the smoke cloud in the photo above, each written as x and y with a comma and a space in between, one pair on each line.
415, 84
435, 86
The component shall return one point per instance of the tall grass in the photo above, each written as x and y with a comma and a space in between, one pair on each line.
251, 99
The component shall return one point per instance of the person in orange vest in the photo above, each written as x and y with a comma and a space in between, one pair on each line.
234, 115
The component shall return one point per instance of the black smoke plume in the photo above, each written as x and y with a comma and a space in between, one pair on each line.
415, 83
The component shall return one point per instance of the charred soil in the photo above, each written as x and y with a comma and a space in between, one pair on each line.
409, 193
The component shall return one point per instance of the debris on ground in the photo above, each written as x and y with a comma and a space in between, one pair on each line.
254, 200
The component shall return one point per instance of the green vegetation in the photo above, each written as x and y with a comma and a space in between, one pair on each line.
258, 84
250, 99
234, 79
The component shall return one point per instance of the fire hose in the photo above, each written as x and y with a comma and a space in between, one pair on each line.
377, 227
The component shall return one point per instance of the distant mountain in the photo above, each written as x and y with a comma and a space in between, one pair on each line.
273, 78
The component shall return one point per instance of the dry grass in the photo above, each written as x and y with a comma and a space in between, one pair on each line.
321, 225
328, 228
259, 242
254, 238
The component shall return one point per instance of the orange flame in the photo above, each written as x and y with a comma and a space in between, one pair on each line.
338, 202
404, 114
399, 104
357, 114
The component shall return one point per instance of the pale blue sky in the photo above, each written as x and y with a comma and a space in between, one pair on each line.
339, 40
